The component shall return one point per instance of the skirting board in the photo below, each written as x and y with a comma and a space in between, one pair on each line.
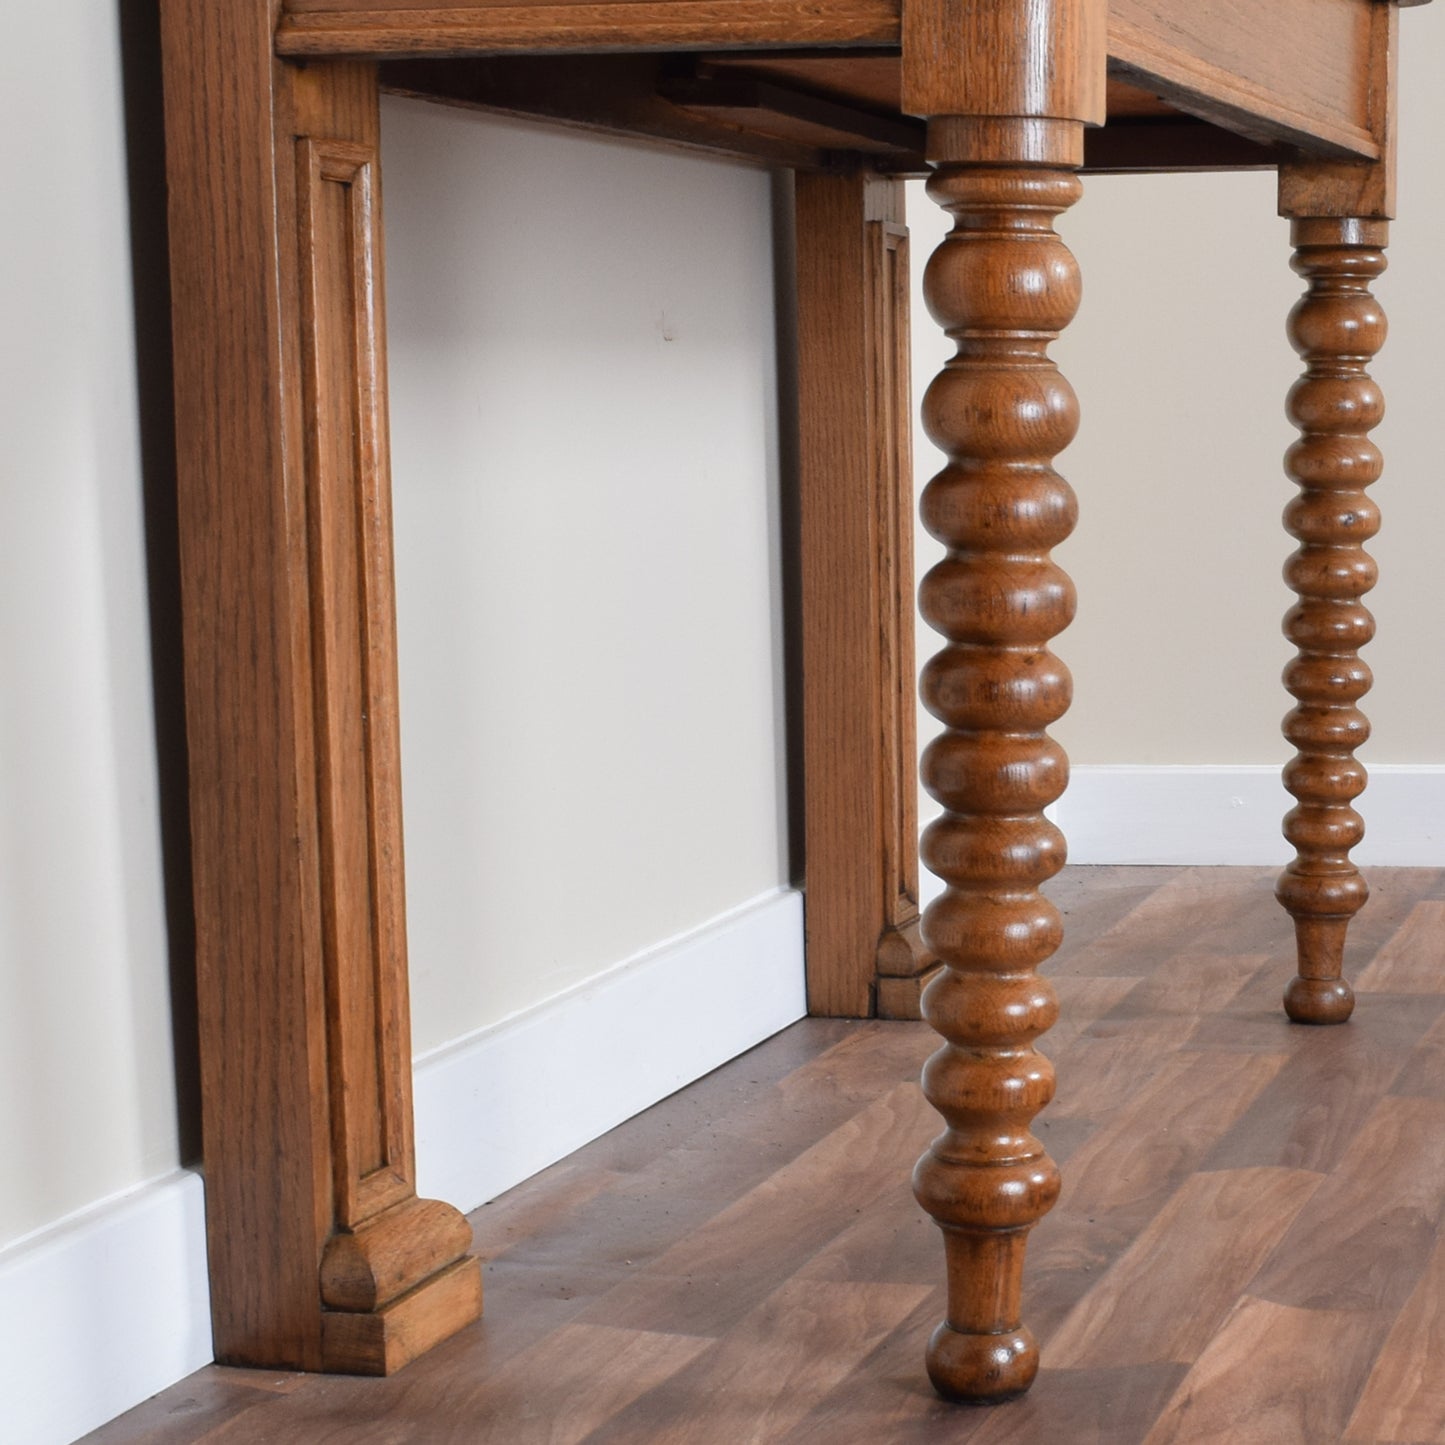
102, 1310
108, 1307
1231, 816
494, 1108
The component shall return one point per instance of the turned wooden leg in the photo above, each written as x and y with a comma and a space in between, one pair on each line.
1336, 327
1003, 286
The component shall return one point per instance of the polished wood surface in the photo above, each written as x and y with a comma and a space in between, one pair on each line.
291, 700
1002, 286
742, 1262
864, 953
1336, 328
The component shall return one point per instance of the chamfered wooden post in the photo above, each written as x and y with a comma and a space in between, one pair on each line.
1006, 90
1340, 215
321, 1255
864, 952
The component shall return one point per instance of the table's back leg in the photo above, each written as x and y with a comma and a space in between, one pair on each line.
1340, 217
860, 773
321, 1255
1002, 285
1336, 327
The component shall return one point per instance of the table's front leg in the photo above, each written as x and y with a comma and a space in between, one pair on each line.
1003, 286
1006, 95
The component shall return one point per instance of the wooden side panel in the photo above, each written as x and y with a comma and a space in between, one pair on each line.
858, 677
1295, 70
354, 693
290, 682
387, 29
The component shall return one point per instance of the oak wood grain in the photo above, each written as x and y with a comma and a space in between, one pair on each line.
380, 30
856, 502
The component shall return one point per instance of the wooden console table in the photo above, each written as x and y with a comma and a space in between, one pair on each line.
321, 1255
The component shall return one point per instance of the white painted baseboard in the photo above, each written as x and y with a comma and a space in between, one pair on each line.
1231, 815
104, 1309
493, 1109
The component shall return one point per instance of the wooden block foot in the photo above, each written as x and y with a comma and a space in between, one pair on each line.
380, 1342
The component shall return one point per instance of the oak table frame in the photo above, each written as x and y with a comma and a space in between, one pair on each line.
321, 1255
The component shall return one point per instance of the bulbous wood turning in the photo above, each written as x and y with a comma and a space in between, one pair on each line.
1337, 326
1003, 286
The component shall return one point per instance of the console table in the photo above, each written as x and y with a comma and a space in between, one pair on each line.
321, 1255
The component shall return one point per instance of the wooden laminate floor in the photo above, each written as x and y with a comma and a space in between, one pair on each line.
1248, 1249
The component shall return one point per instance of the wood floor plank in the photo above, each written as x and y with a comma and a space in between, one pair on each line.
1111, 1406
1330, 1086
745, 1261
1224, 910
1134, 1315
1272, 1376
1404, 1398
1413, 961
707, 1281
769, 1371
1127, 1170
1363, 1240
1423, 1073
1126, 1046
191, 1410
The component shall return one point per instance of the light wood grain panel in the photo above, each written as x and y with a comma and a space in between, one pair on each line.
1404, 1398
1158, 1303
1272, 1376
1294, 70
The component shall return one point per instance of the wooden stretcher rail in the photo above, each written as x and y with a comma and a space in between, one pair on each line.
615, 26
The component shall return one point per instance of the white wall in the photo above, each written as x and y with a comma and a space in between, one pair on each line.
87, 1102
584, 453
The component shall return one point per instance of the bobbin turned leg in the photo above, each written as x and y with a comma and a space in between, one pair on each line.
1340, 213
1337, 326
1007, 90
1002, 285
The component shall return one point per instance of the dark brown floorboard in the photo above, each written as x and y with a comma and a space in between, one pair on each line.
1248, 1247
